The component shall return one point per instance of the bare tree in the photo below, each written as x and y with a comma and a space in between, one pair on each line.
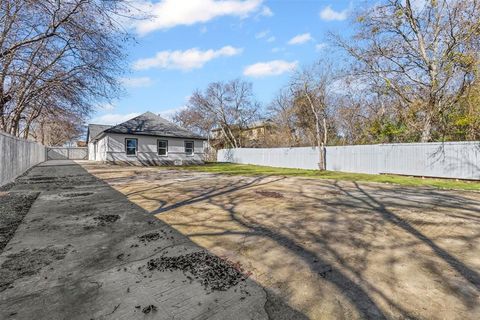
425, 53
285, 117
57, 56
229, 106
196, 121
311, 87
57, 128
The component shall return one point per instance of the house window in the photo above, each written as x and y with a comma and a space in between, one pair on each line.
189, 148
131, 147
162, 147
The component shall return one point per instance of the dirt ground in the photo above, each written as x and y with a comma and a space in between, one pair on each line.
331, 250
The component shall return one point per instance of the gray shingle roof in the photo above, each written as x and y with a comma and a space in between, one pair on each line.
151, 124
95, 129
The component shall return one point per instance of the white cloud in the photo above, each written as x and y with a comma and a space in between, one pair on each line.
269, 68
300, 38
265, 34
262, 34
137, 82
328, 14
320, 46
266, 11
167, 14
184, 60
114, 118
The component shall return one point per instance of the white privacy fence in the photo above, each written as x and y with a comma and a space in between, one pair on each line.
70, 153
459, 160
17, 156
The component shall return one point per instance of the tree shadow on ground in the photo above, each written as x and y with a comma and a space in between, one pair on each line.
467, 273
347, 278
217, 191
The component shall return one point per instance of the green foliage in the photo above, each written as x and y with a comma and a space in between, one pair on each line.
462, 121
386, 131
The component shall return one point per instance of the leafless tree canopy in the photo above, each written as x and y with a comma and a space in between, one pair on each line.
311, 90
57, 128
229, 107
425, 53
57, 57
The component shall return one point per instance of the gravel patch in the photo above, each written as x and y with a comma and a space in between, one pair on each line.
106, 219
76, 194
153, 236
212, 272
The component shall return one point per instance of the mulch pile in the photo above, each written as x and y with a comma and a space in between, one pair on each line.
212, 272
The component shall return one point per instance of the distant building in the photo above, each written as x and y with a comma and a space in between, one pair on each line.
254, 135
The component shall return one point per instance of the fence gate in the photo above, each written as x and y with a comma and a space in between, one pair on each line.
58, 153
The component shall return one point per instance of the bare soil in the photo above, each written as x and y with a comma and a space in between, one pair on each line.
330, 249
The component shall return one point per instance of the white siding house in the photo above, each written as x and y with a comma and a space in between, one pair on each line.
145, 140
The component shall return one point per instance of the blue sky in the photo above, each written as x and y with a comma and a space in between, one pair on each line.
186, 44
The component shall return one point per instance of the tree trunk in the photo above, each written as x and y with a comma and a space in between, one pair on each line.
323, 156
427, 130
320, 145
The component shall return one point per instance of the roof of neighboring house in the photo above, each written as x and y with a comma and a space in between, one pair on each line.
150, 124
95, 129
254, 125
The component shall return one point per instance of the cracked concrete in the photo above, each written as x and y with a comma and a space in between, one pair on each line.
100, 273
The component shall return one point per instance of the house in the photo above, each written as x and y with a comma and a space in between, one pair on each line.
254, 135
146, 140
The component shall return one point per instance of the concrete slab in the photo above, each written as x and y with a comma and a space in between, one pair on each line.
78, 255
